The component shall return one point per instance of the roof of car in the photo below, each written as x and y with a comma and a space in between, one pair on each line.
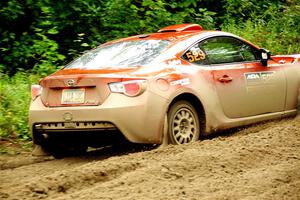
177, 33
171, 33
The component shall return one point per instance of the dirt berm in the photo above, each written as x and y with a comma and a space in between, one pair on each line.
257, 162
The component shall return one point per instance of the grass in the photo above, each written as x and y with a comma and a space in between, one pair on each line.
14, 105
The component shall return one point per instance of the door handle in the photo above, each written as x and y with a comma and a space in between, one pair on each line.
225, 79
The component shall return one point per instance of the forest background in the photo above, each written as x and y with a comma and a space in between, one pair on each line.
38, 37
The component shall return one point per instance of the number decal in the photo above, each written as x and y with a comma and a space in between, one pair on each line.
190, 56
195, 55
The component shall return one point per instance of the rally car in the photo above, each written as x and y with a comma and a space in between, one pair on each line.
172, 86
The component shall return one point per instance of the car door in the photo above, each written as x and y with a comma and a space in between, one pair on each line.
245, 87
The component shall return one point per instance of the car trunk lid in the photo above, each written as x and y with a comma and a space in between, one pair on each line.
75, 89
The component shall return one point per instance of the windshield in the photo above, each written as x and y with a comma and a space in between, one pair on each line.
122, 54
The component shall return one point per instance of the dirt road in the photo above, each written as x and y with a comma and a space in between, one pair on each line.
258, 162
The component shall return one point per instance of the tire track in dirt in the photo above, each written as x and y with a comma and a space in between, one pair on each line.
19, 175
20, 160
257, 162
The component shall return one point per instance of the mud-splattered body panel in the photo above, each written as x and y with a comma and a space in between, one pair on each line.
135, 99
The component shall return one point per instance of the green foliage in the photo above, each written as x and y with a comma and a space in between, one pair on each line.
14, 104
279, 32
121, 18
249, 9
24, 40
39, 36
43, 35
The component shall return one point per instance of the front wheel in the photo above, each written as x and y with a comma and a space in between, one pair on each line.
183, 123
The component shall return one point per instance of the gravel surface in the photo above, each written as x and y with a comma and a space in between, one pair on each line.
257, 162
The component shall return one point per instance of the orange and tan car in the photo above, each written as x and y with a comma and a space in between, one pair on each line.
171, 86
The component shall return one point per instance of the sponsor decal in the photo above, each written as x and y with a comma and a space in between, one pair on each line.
252, 76
259, 76
185, 81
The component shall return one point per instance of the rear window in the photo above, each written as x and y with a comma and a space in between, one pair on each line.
120, 55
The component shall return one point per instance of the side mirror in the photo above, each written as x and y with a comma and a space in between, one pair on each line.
265, 55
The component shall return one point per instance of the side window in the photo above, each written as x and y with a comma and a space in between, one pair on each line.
226, 50
195, 55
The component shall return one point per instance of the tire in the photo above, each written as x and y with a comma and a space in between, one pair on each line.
59, 151
183, 123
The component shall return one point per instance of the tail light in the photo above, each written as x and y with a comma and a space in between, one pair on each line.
129, 88
36, 90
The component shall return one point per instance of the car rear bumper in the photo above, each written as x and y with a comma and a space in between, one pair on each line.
139, 119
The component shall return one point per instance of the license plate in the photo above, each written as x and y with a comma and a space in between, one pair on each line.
73, 96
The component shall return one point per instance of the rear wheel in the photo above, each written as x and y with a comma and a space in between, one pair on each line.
183, 123
59, 150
